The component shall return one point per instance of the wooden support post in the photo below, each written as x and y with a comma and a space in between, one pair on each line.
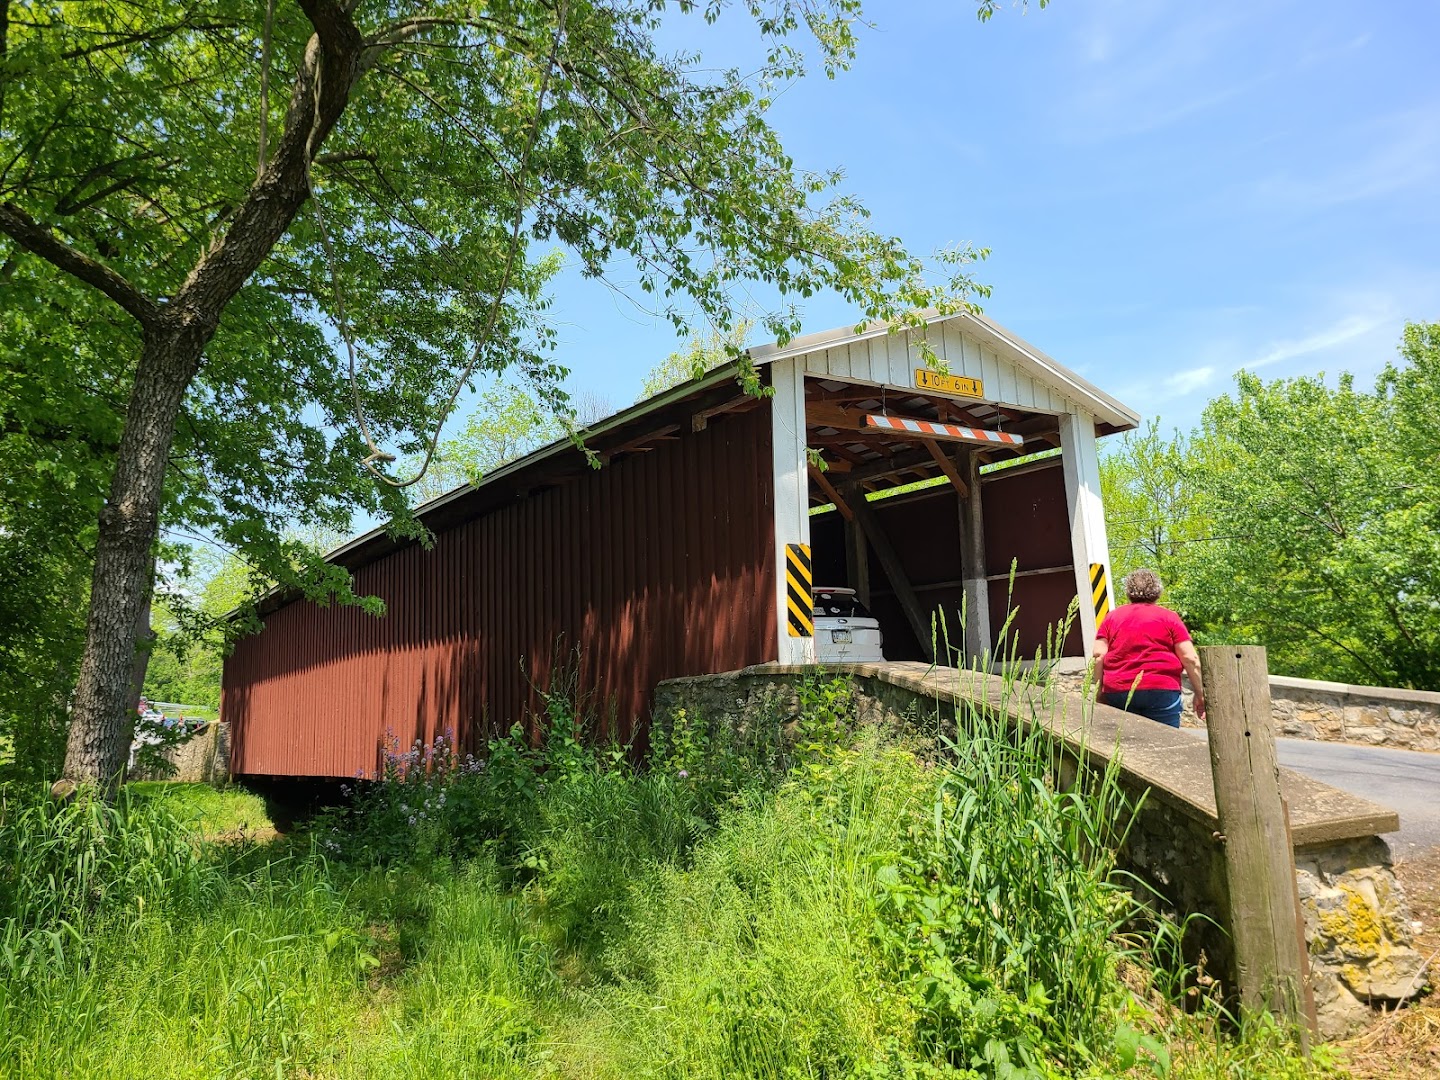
857, 561
869, 523
1259, 861
1088, 544
972, 563
792, 496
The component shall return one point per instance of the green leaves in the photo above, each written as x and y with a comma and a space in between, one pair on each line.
702, 353
129, 194
1302, 517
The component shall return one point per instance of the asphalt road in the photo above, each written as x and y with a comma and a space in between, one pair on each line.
1407, 781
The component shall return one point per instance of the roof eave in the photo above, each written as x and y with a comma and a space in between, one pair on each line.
1105, 408
625, 416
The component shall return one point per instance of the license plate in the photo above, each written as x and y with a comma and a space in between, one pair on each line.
841, 637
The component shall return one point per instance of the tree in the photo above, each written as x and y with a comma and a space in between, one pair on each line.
1152, 511
1326, 510
507, 423
55, 453
702, 353
193, 628
436, 145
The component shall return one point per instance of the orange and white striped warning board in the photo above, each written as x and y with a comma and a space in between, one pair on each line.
943, 431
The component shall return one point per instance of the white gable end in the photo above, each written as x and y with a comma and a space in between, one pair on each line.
1011, 371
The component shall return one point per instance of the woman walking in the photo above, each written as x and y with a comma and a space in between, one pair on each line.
1140, 650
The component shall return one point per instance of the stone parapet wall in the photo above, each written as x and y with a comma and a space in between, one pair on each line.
1357, 932
1356, 921
1368, 715
1334, 712
205, 758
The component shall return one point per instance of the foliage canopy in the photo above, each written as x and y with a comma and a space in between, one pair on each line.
1301, 516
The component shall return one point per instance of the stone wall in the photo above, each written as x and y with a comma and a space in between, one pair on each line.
1357, 931
202, 759
1356, 921
1369, 715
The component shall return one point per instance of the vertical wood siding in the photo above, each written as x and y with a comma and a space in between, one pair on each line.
656, 566
1026, 521
891, 359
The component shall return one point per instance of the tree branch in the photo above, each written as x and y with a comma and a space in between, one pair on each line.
341, 157
402, 31
29, 234
319, 96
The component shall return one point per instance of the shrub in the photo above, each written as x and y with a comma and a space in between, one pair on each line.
428, 801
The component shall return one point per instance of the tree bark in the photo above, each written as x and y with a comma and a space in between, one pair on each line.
103, 720
144, 644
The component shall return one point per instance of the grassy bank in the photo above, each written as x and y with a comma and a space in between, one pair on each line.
805, 901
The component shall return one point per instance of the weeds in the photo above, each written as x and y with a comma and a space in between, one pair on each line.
799, 897
1001, 911
68, 869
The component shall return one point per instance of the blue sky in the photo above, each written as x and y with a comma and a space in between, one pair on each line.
1170, 191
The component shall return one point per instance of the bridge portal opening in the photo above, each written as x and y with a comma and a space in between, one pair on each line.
947, 516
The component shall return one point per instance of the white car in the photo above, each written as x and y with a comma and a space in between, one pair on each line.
844, 631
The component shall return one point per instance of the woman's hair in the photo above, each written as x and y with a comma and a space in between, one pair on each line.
1143, 586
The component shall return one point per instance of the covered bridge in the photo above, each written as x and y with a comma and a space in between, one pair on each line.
671, 559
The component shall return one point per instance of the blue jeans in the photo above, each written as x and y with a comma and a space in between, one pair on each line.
1162, 706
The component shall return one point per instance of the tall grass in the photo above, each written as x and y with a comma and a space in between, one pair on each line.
69, 869
759, 958
802, 899
1003, 911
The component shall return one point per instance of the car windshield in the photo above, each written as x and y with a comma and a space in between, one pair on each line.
842, 604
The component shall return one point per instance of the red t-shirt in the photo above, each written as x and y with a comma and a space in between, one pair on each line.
1142, 640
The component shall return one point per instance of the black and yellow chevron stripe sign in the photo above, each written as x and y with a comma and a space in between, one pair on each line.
799, 599
1099, 591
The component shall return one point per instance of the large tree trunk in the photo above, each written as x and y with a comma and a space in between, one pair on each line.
103, 719
144, 644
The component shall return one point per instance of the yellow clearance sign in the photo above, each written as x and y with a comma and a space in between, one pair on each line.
958, 385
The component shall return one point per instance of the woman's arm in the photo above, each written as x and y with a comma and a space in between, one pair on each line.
1190, 660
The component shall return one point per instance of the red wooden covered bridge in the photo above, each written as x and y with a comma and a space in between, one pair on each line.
670, 560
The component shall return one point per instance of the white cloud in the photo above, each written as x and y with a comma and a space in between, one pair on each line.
1320, 54
1187, 382
1347, 329
1146, 66
1389, 155
1366, 334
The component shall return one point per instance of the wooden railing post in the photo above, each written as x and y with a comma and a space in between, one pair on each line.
1271, 966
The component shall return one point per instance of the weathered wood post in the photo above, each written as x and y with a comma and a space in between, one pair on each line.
1270, 963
